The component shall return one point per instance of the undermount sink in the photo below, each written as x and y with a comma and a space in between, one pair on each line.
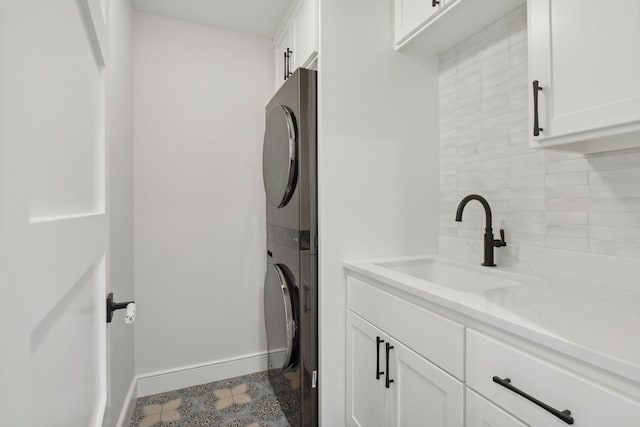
452, 274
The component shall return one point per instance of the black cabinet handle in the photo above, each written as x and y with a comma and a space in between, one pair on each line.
536, 125
288, 64
378, 371
563, 415
388, 381
284, 67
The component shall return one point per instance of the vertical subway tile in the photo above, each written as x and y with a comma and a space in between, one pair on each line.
542, 198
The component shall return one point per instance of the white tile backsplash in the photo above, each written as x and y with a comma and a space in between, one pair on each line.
543, 199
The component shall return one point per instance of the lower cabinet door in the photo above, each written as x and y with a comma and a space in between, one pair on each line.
422, 394
367, 397
482, 413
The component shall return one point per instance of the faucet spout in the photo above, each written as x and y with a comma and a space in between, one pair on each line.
485, 205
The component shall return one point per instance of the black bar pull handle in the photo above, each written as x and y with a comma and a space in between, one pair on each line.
288, 66
378, 371
434, 3
563, 415
387, 380
536, 124
284, 67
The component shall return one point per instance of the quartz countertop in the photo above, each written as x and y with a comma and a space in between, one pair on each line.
599, 325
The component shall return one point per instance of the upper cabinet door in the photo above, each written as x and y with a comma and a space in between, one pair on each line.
421, 393
411, 14
585, 56
283, 49
305, 33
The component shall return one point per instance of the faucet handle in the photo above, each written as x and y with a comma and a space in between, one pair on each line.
499, 243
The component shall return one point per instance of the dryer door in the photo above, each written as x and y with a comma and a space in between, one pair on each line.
279, 156
280, 319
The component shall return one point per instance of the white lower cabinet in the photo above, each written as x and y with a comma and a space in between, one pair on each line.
367, 398
482, 413
390, 385
406, 366
422, 394
541, 393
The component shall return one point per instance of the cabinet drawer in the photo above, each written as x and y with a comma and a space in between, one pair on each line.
434, 337
590, 404
482, 413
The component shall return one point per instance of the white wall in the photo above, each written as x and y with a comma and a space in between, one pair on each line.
377, 160
200, 94
120, 200
543, 199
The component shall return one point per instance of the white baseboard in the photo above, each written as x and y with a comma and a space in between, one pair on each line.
186, 376
129, 404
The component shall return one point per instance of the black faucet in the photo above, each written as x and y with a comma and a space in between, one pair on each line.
489, 241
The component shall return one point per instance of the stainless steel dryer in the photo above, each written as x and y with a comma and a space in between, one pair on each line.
291, 280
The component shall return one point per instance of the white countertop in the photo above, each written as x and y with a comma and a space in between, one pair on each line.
598, 325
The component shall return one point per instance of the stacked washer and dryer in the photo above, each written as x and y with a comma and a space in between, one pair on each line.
291, 281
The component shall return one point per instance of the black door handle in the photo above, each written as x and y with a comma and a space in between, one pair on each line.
536, 125
387, 381
378, 371
113, 306
563, 415
434, 3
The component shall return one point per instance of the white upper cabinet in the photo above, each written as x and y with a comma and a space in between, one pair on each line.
296, 43
586, 62
438, 25
305, 32
412, 14
283, 56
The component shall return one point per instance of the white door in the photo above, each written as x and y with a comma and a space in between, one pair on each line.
421, 393
482, 413
52, 213
587, 61
367, 399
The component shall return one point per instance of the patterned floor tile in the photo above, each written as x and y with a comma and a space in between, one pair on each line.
246, 401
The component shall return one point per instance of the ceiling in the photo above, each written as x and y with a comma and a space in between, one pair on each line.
257, 17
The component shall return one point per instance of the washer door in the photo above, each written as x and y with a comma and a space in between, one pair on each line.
279, 306
279, 156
